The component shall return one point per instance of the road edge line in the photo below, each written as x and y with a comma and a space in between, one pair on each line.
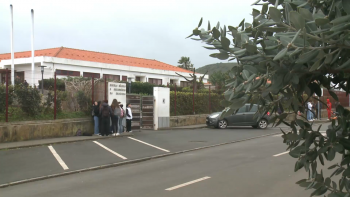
126, 162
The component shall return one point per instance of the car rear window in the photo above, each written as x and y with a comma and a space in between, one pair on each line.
254, 108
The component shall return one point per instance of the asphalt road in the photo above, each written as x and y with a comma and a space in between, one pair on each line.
231, 167
240, 169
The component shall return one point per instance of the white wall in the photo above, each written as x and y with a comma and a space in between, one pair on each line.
54, 63
161, 107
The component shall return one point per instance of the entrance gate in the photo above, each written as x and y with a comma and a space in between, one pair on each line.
142, 111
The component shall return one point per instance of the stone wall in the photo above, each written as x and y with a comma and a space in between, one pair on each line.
178, 121
33, 130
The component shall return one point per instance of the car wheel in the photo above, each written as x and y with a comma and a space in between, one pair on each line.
222, 124
255, 126
262, 124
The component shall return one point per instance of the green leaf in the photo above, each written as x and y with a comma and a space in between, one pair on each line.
281, 54
251, 48
321, 21
316, 65
251, 69
275, 14
241, 24
196, 32
300, 123
320, 157
340, 27
331, 154
225, 42
296, 36
216, 33
327, 182
328, 59
346, 172
306, 14
320, 191
189, 36
333, 95
346, 6
306, 57
264, 8
295, 79
334, 185
340, 20
332, 166
344, 65
338, 147
297, 20
245, 74
200, 22
209, 28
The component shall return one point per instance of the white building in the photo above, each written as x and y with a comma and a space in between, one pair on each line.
76, 62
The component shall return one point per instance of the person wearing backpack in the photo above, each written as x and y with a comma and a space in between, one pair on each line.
114, 117
128, 118
105, 112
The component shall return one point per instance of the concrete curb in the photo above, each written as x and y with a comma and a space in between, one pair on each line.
125, 162
63, 142
180, 128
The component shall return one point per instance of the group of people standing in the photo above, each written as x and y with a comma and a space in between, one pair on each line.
312, 110
108, 120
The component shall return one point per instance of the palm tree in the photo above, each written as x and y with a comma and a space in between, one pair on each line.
185, 63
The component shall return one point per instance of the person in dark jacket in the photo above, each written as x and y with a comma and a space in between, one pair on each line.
96, 113
105, 112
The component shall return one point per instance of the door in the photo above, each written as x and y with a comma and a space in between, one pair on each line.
239, 117
249, 117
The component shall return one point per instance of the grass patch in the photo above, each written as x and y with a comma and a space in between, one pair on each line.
16, 115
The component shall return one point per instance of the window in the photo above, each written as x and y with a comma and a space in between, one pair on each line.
68, 73
95, 75
155, 81
124, 78
138, 79
185, 84
254, 108
242, 109
112, 77
172, 82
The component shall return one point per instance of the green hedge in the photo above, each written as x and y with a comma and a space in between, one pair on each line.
184, 104
49, 84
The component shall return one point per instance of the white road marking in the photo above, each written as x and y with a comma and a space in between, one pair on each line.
148, 144
58, 158
188, 183
117, 154
281, 154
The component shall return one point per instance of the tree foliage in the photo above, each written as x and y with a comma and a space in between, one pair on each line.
185, 63
298, 46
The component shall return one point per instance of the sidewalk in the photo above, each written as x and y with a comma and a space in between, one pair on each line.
31, 143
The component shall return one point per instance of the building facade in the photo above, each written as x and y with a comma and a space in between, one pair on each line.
75, 62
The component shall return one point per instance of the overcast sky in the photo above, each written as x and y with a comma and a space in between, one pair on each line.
152, 29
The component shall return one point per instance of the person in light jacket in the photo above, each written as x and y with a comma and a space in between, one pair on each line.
128, 118
120, 119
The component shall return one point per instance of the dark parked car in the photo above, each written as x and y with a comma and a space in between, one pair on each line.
243, 117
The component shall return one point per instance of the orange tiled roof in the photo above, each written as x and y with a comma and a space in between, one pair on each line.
92, 56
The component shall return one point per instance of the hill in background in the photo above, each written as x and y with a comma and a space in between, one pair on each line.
218, 67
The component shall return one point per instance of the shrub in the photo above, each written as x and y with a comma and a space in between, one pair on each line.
29, 99
61, 96
184, 103
84, 102
3, 97
49, 84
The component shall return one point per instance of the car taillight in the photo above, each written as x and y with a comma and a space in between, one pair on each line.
268, 113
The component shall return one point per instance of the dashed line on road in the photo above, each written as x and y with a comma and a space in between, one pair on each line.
117, 154
149, 144
58, 158
281, 154
188, 183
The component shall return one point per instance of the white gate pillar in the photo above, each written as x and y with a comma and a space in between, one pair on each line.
161, 107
